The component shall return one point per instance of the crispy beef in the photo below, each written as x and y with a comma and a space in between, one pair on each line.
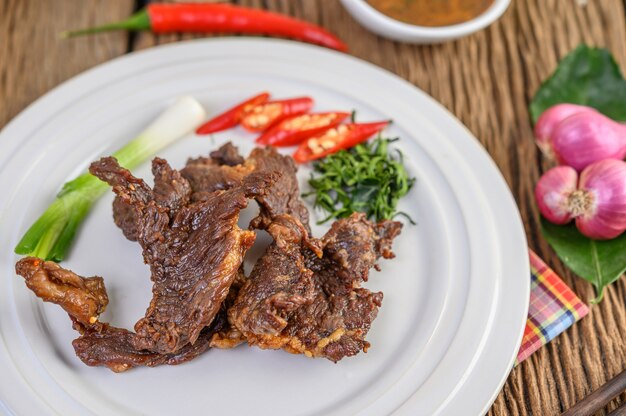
227, 154
125, 218
221, 171
114, 348
284, 195
194, 249
280, 281
224, 169
304, 294
84, 299
100, 344
227, 335
308, 301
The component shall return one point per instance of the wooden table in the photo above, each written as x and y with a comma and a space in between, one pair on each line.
486, 80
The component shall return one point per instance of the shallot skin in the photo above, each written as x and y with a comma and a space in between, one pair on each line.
587, 137
552, 193
549, 119
605, 183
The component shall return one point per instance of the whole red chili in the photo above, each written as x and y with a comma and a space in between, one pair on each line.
219, 18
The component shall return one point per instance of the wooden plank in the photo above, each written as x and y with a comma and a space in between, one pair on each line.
34, 58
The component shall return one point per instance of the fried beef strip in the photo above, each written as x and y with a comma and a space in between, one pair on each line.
114, 348
309, 302
221, 171
194, 249
224, 169
84, 299
284, 196
343, 312
100, 344
289, 283
125, 218
203, 175
227, 154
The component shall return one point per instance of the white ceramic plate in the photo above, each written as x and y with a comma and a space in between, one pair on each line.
456, 296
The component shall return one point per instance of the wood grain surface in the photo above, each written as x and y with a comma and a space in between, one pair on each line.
486, 80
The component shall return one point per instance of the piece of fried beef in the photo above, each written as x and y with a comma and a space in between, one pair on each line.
100, 344
168, 193
225, 168
284, 195
194, 249
84, 299
220, 171
282, 282
114, 348
304, 295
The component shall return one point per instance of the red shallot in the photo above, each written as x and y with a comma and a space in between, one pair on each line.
585, 138
548, 121
597, 203
578, 136
552, 193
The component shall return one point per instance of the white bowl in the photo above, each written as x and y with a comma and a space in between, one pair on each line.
390, 28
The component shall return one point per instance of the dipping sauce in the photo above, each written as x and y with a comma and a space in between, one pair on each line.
431, 12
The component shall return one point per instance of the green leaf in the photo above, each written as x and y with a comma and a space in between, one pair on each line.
587, 76
599, 262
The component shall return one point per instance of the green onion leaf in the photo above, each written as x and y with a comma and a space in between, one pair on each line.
50, 237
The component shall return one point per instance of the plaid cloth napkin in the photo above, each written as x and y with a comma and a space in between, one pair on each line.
553, 308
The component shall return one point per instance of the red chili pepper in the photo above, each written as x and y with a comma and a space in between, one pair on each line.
336, 139
298, 128
219, 18
233, 116
264, 116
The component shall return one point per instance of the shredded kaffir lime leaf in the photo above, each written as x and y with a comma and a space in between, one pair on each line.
367, 178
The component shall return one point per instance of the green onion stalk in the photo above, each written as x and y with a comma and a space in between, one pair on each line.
50, 237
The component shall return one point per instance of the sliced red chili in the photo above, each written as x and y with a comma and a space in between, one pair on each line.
264, 116
296, 129
335, 139
233, 116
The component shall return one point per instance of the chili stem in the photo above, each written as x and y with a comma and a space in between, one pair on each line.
138, 21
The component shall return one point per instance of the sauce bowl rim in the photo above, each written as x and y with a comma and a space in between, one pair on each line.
364, 12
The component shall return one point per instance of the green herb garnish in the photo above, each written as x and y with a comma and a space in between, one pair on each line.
366, 178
